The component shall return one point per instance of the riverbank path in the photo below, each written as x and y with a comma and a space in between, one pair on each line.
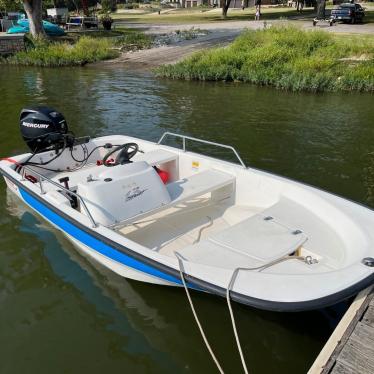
220, 34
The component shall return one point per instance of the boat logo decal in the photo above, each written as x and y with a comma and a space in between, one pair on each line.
134, 192
35, 125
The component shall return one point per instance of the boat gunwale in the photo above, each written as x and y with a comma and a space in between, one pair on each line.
235, 165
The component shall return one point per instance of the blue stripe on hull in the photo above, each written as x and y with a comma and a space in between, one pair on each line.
91, 241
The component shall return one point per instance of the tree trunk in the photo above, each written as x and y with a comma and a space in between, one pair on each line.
321, 7
225, 7
76, 6
33, 9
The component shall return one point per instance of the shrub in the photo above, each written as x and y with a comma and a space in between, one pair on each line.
63, 54
96, 47
109, 5
287, 58
134, 40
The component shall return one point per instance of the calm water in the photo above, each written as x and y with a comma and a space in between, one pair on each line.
61, 314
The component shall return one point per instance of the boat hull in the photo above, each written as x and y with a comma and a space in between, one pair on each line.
88, 247
130, 263
118, 268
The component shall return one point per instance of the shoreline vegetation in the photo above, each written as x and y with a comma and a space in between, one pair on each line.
287, 58
78, 50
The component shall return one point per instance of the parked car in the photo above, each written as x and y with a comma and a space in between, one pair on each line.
348, 12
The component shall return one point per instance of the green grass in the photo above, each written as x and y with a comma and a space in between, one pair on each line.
54, 54
193, 15
125, 38
287, 58
369, 16
209, 15
133, 39
77, 49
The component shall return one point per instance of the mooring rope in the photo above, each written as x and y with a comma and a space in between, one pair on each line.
228, 299
181, 271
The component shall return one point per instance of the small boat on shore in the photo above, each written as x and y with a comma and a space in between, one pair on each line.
154, 213
23, 27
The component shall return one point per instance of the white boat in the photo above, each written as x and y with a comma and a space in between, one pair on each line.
155, 212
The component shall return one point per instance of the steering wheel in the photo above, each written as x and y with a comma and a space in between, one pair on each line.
127, 152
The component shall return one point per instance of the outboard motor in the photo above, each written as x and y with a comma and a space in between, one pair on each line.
44, 128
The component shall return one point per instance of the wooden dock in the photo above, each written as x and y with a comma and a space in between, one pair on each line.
350, 349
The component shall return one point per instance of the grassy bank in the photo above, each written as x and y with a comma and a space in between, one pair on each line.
287, 58
133, 40
55, 54
77, 49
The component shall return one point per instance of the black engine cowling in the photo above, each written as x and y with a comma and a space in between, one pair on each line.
43, 128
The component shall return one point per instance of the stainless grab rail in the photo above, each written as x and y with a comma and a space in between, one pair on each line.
184, 137
42, 192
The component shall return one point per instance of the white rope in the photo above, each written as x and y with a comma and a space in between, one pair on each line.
196, 317
234, 324
228, 299
229, 288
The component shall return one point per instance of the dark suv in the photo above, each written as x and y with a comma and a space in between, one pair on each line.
352, 13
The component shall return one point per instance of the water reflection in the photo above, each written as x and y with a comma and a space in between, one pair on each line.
123, 310
155, 321
56, 304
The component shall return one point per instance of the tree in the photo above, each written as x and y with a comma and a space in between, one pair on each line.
225, 7
33, 9
73, 4
108, 5
321, 8
300, 5
10, 5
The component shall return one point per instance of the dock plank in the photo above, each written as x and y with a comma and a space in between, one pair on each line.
358, 352
368, 318
340, 368
364, 333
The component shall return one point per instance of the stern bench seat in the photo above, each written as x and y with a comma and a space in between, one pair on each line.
156, 157
198, 184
